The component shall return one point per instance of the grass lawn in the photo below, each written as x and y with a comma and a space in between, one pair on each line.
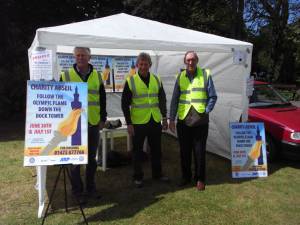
272, 200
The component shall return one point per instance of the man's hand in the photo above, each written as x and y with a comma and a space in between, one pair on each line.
130, 130
101, 125
164, 124
172, 126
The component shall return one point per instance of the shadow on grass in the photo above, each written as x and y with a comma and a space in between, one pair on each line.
119, 197
121, 200
126, 201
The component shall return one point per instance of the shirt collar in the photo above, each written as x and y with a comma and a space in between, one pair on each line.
84, 74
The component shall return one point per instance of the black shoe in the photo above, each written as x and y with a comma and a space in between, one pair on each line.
183, 182
138, 183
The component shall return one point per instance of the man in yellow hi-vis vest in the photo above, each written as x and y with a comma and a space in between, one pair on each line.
82, 71
194, 96
144, 107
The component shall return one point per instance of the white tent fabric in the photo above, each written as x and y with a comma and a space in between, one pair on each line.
122, 34
128, 32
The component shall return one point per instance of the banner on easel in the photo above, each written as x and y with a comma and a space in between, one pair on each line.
56, 123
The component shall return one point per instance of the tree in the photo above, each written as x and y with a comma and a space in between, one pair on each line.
238, 24
166, 11
271, 19
19, 21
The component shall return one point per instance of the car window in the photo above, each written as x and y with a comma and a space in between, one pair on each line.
266, 95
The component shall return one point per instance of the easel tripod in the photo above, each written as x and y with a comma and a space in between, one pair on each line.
65, 170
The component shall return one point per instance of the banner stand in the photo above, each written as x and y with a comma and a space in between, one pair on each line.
65, 170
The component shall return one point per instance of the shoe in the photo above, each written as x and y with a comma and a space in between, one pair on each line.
200, 186
138, 183
183, 182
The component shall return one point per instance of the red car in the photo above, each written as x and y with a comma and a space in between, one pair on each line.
281, 120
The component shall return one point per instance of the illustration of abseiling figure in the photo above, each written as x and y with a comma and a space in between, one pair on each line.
70, 126
255, 152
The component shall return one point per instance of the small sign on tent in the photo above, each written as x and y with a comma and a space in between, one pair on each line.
40, 64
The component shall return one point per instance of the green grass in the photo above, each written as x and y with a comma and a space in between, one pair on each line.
271, 200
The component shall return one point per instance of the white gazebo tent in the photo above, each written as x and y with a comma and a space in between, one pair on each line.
122, 34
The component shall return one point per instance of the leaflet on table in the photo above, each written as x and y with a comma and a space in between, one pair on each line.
248, 150
56, 123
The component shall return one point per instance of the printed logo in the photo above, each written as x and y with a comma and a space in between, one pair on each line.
65, 159
32, 160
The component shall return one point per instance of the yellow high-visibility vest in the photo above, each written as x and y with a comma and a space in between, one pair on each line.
94, 81
144, 99
192, 93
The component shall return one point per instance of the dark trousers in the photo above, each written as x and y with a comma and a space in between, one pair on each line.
152, 130
93, 141
192, 139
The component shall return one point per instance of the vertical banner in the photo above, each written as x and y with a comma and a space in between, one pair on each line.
104, 65
123, 66
40, 65
248, 150
56, 123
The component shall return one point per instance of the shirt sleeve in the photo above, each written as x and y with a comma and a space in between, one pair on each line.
212, 95
126, 102
162, 101
103, 113
174, 101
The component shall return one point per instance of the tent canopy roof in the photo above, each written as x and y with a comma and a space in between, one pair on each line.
122, 31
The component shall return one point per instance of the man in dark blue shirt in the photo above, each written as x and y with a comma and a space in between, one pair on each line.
194, 97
